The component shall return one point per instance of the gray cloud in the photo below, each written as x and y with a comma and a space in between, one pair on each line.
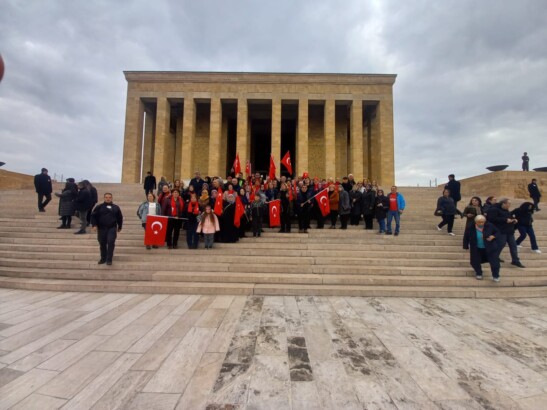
469, 91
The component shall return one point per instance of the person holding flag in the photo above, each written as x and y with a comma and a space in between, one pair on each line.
286, 161
173, 207
303, 209
257, 210
285, 197
148, 207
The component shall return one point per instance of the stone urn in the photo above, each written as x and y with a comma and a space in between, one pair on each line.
542, 169
495, 168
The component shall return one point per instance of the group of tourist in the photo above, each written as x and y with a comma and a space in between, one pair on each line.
490, 226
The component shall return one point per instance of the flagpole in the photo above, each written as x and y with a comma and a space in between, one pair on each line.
319, 193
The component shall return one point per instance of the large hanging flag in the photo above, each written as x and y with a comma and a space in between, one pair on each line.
286, 161
240, 211
237, 164
322, 199
275, 209
272, 168
156, 227
248, 168
218, 202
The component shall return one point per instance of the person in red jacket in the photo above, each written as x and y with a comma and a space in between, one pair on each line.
173, 207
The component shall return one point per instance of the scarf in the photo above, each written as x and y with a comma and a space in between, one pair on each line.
193, 208
204, 196
174, 206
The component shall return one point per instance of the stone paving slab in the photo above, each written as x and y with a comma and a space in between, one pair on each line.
113, 351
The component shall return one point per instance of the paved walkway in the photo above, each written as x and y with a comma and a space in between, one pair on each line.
92, 350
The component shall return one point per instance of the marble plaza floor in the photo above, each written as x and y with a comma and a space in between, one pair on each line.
134, 351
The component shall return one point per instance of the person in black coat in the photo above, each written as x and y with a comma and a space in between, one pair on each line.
533, 189
66, 203
303, 209
285, 209
500, 216
197, 183
229, 232
367, 206
42, 184
381, 206
94, 199
82, 204
149, 183
481, 240
455, 191
447, 209
107, 219
525, 162
355, 198
524, 215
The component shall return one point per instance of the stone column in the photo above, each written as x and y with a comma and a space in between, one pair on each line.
188, 138
276, 134
356, 139
148, 149
302, 137
132, 141
214, 137
178, 147
243, 142
330, 140
382, 140
163, 113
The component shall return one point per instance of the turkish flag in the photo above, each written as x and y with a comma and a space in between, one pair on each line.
248, 167
240, 211
275, 209
322, 199
218, 203
272, 168
286, 160
237, 164
156, 227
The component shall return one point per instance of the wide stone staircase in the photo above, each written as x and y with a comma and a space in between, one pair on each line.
421, 262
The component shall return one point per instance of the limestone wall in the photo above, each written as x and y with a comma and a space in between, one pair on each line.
512, 184
15, 180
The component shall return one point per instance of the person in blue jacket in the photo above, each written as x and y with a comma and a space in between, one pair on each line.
397, 205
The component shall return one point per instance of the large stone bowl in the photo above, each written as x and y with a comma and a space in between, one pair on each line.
542, 169
495, 168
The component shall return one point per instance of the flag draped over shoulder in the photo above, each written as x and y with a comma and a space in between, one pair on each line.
272, 168
286, 161
218, 203
156, 227
322, 199
240, 211
237, 164
275, 218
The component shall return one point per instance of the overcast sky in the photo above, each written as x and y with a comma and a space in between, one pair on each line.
471, 87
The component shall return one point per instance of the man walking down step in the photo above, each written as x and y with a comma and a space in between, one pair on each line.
396, 207
82, 205
107, 219
481, 241
533, 190
500, 216
42, 184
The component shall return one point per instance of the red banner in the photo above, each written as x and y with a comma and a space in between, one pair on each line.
240, 211
218, 203
237, 164
272, 168
275, 213
156, 227
286, 161
322, 199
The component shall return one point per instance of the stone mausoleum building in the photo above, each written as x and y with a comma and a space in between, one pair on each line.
332, 124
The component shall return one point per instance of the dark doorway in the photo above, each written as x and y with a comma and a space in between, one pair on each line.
231, 146
261, 142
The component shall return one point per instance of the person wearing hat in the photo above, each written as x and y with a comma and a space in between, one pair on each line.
42, 184
66, 205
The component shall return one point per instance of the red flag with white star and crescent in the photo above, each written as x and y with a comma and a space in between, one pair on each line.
248, 168
275, 217
156, 227
237, 164
286, 161
322, 199
240, 211
272, 168
218, 203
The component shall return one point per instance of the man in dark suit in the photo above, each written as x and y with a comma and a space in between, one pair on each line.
42, 184
533, 189
149, 184
525, 162
481, 240
454, 187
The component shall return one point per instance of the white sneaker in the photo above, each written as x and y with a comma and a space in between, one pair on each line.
496, 279
439, 229
519, 246
451, 233
536, 250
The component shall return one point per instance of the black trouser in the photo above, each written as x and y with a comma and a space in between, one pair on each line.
344, 221
107, 240
257, 225
89, 213
354, 220
536, 203
447, 220
66, 220
192, 237
508, 239
173, 231
303, 219
368, 221
41, 203
333, 217
285, 222
320, 219
82, 215
492, 258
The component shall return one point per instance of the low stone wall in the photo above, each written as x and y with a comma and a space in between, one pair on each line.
15, 180
512, 184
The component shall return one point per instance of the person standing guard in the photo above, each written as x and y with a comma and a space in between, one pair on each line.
42, 184
107, 220
149, 184
525, 162
533, 190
